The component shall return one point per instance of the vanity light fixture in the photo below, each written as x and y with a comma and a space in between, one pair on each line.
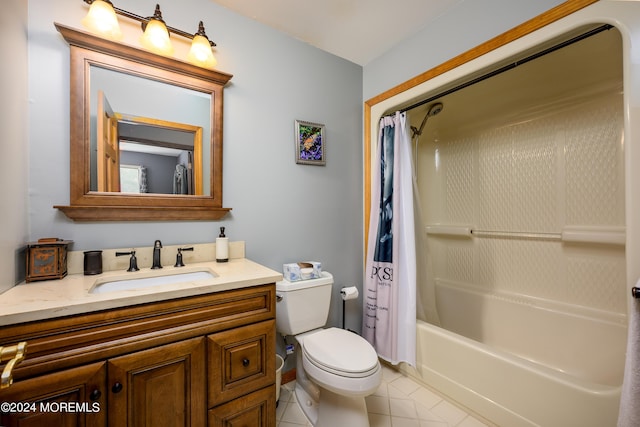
101, 19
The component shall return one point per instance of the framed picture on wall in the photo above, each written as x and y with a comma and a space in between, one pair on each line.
310, 143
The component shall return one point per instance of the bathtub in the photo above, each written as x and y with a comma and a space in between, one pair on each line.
547, 365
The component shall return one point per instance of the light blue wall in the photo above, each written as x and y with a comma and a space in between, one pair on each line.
283, 211
13, 122
468, 24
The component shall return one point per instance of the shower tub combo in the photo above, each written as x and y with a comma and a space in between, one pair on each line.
525, 235
522, 308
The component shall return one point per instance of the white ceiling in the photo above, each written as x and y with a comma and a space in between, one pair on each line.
357, 30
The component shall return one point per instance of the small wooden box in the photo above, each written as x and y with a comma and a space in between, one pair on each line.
47, 259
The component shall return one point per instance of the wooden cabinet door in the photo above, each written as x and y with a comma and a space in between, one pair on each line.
162, 386
71, 398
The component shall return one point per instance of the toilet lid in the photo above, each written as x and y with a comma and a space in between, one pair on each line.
341, 351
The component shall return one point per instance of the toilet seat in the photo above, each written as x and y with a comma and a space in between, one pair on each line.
341, 352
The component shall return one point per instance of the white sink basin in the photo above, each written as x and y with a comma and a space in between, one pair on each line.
125, 284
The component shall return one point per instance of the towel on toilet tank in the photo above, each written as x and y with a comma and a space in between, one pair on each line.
629, 415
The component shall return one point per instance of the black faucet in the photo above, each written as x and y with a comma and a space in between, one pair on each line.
179, 262
156, 255
133, 261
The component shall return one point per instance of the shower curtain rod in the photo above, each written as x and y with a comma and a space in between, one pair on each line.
510, 66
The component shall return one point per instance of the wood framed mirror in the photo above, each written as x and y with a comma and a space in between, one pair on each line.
135, 113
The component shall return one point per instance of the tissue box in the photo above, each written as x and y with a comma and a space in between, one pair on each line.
294, 271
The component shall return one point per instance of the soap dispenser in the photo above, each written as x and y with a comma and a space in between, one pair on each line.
222, 247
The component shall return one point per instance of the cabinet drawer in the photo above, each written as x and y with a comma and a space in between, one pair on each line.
255, 409
241, 360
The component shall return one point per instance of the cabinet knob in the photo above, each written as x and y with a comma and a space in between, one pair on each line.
117, 388
245, 362
95, 395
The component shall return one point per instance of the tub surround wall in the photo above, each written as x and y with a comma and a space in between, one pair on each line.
525, 187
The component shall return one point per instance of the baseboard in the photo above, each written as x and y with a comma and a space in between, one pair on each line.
289, 376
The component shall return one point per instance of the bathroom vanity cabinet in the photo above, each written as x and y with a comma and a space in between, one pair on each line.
193, 361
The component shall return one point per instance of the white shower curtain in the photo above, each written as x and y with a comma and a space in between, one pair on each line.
389, 292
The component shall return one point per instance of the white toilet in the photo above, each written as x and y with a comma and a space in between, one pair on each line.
335, 368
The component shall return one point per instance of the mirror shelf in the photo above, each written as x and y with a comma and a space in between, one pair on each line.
87, 52
141, 213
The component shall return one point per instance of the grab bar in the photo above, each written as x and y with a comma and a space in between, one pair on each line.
449, 230
517, 235
569, 234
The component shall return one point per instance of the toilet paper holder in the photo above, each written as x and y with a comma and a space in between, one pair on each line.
635, 292
347, 293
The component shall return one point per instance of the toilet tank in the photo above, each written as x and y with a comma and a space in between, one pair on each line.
303, 305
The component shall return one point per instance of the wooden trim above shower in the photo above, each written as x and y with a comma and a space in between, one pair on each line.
534, 24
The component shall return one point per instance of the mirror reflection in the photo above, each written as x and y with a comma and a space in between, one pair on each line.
147, 136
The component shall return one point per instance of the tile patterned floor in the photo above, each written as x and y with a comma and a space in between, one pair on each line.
398, 402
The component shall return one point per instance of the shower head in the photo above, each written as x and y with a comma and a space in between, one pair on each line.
433, 110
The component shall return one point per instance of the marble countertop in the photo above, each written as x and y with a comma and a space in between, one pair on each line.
28, 302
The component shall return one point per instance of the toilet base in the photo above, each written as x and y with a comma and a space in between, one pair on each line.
308, 405
333, 409
336, 410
